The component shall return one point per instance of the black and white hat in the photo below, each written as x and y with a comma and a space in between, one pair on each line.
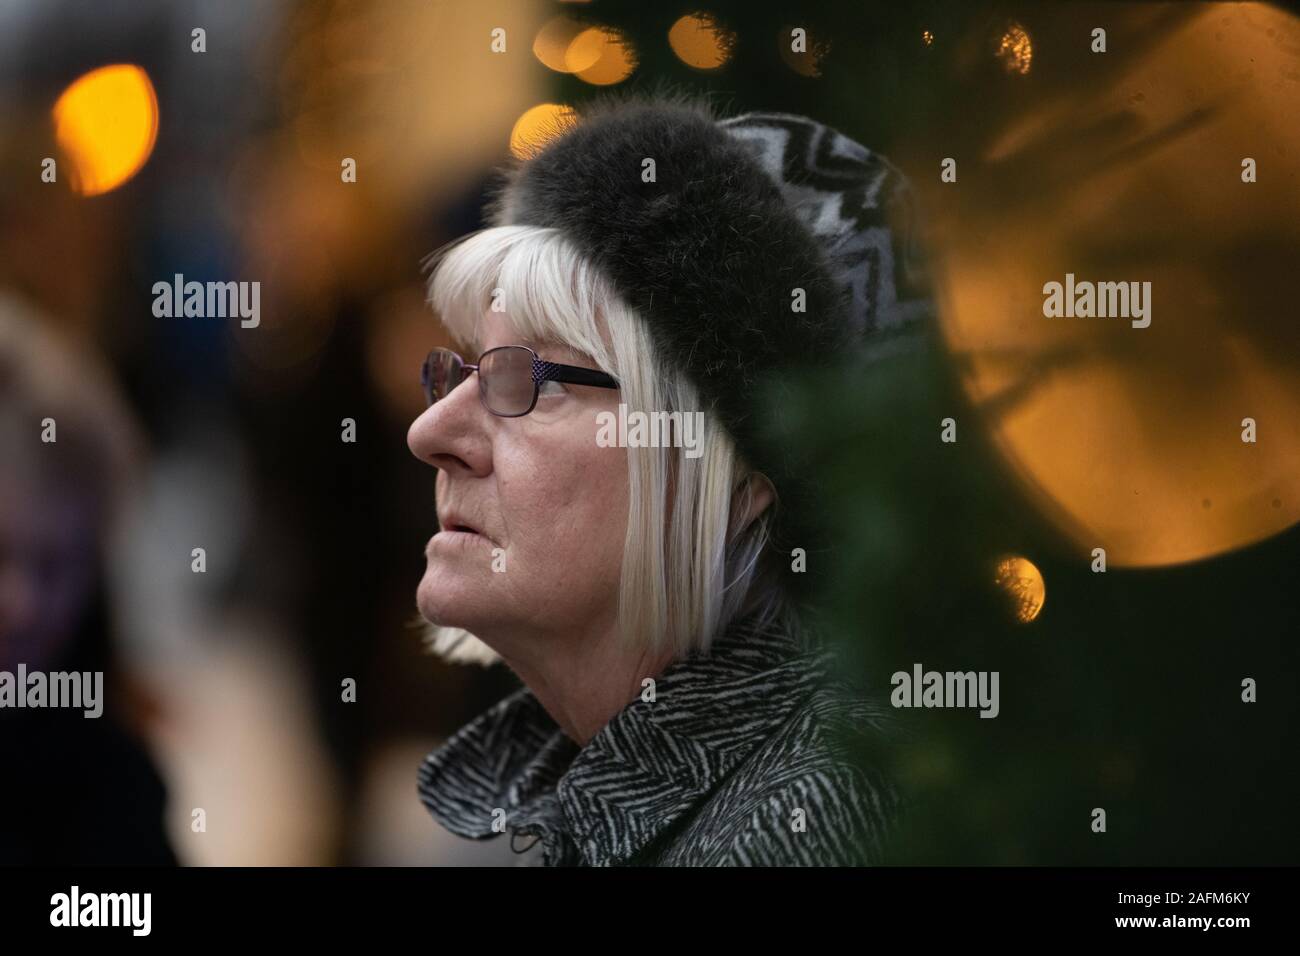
860, 208
754, 245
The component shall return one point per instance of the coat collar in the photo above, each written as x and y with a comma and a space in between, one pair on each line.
512, 769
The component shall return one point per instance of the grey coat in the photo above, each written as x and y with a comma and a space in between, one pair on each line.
738, 760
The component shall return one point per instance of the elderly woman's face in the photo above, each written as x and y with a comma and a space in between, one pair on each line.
547, 505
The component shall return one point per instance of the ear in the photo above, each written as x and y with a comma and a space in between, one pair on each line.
752, 497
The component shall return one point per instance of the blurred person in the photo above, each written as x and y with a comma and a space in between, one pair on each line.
80, 786
678, 707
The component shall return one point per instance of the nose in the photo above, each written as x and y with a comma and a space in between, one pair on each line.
453, 434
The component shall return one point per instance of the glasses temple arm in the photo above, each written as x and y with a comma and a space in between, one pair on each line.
574, 375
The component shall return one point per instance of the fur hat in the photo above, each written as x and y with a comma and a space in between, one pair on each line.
751, 245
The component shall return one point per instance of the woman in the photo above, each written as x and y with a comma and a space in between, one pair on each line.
650, 259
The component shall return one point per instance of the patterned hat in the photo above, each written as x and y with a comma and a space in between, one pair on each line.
751, 246
861, 209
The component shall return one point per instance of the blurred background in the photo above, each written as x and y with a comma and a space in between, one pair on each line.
323, 148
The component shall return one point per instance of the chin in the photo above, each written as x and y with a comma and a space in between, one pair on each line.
446, 603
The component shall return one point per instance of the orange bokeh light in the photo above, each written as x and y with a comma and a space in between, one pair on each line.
700, 42
106, 122
538, 126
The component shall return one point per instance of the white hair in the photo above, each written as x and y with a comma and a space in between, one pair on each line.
691, 561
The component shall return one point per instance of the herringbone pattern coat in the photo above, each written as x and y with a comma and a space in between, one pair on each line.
738, 760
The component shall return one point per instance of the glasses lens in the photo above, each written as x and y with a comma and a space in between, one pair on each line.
441, 372
505, 378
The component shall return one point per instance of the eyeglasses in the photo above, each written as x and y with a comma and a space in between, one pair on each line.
509, 377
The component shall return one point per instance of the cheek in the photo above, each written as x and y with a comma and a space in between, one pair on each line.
567, 509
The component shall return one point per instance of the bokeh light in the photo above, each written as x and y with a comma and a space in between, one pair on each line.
538, 126
1016, 50
609, 52
700, 41
1130, 439
553, 46
1023, 583
106, 123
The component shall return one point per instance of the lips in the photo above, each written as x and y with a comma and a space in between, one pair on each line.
453, 521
